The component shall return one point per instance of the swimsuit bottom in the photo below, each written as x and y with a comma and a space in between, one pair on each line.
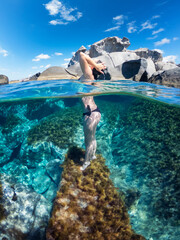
89, 113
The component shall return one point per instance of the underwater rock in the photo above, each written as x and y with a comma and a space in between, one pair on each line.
54, 170
26, 212
13, 112
145, 149
50, 194
87, 205
2, 210
39, 152
16, 136
138, 138
42, 108
5, 152
58, 128
131, 196
41, 181
19, 171
14, 125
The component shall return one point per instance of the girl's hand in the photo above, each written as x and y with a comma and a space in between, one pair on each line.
99, 67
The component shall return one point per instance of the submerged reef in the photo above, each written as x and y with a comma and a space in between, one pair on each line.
139, 138
9, 123
59, 128
24, 214
152, 138
88, 206
143, 157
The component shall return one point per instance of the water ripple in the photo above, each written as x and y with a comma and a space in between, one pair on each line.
74, 88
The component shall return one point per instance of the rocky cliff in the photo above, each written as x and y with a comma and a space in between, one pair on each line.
138, 65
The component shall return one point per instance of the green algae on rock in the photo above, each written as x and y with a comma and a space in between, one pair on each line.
151, 133
58, 128
9, 123
88, 206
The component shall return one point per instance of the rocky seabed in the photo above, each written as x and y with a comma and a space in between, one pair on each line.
32, 150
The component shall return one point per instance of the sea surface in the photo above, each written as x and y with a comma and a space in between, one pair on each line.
138, 135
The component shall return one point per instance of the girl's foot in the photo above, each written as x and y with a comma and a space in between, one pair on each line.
85, 165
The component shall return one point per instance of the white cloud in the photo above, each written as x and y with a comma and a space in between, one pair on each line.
65, 14
112, 29
79, 15
131, 27
41, 56
119, 20
148, 25
159, 50
42, 66
3, 52
156, 16
170, 58
162, 42
35, 60
56, 7
158, 31
67, 59
150, 38
64, 65
58, 54
175, 38
53, 7
58, 22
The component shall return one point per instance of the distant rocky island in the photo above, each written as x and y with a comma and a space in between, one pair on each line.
3, 79
141, 65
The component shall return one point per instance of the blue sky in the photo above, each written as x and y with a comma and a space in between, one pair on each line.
40, 33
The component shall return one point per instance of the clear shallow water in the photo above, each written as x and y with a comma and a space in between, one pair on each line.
69, 88
139, 138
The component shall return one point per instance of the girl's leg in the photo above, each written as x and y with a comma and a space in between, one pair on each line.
90, 125
87, 71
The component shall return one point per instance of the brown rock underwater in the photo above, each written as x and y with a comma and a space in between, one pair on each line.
87, 205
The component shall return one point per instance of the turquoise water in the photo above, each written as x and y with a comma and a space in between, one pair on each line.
138, 135
73, 88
